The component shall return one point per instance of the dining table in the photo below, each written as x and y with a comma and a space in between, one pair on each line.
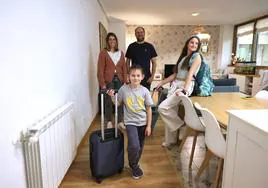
220, 103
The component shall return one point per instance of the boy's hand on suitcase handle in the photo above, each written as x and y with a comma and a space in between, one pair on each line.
110, 92
148, 130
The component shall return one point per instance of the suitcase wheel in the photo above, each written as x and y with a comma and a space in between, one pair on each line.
120, 171
98, 180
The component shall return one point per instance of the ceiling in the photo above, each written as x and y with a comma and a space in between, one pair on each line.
178, 12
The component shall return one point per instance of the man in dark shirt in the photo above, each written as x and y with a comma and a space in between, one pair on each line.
143, 54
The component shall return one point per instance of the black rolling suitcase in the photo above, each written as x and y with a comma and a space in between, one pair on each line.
106, 148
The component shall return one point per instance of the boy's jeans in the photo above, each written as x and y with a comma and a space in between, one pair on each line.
136, 136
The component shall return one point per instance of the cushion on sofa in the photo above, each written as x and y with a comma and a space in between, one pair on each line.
224, 82
228, 89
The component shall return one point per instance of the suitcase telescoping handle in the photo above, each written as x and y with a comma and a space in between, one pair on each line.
104, 92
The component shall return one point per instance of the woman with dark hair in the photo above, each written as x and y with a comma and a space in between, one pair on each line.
182, 80
112, 74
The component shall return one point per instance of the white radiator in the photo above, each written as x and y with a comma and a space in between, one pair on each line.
49, 148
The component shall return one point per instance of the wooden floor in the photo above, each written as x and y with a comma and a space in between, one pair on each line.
155, 161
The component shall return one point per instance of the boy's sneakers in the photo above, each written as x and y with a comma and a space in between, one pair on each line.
137, 174
122, 126
109, 124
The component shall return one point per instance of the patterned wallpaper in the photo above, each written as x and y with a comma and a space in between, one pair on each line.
169, 40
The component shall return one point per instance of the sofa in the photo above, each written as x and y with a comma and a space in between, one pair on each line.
221, 85
225, 85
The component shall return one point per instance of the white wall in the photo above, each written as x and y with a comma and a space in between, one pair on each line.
225, 46
119, 28
48, 55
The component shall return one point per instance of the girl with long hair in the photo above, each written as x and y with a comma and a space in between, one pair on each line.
182, 80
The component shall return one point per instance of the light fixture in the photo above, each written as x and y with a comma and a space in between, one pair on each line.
195, 14
201, 33
204, 37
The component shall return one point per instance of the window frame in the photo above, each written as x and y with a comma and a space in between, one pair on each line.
254, 40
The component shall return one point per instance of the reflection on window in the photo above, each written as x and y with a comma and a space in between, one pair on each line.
244, 45
262, 49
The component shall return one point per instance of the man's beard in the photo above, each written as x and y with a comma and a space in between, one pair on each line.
140, 39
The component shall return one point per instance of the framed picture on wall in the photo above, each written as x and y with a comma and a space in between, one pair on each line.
102, 36
204, 48
158, 76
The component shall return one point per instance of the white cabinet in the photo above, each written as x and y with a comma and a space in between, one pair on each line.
248, 84
256, 85
240, 81
246, 161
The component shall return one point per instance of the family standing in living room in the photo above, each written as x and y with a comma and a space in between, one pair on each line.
136, 98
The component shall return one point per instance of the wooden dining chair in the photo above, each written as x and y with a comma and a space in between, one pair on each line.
215, 143
194, 125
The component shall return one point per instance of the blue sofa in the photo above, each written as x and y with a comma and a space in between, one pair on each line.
221, 85
225, 85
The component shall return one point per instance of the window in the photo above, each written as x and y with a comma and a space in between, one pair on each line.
251, 41
262, 48
244, 46
262, 42
244, 41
